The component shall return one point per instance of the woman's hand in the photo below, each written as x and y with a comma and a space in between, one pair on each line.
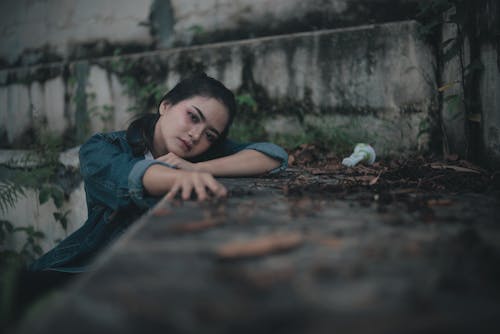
176, 161
186, 182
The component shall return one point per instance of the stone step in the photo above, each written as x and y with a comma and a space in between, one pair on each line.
373, 83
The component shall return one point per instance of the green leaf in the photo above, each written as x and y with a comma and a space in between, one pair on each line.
58, 196
38, 234
37, 249
44, 194
473, 67
453, 102
453, 50
4, 224
447, 42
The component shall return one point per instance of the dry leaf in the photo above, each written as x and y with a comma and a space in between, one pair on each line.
196, 225
439, 202
375, 179
160, 212
259, 246
455, 168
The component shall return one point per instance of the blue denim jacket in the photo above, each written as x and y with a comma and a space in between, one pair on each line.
116, 198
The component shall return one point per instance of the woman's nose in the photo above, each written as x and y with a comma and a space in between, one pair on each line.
195, 133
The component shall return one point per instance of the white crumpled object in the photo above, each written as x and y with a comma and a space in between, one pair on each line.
362, 153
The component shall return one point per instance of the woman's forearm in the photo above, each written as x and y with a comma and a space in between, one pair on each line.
244, 163
158, 179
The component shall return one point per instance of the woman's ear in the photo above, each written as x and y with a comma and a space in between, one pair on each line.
164, 106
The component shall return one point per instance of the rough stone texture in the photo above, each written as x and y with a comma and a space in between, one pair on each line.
261, 262
218, 20
376, 82
35, 32
490, 103
16, 113
453, 111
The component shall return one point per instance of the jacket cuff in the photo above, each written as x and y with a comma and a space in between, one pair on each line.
135, 185
273, 151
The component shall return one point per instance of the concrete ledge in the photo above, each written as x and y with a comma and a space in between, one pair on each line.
262, 262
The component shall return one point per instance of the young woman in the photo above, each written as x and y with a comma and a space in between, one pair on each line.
175, 152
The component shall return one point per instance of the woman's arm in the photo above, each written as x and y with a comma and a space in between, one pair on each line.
235, 159
247, 162
243, 163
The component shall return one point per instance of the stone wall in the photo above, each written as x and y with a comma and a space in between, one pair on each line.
375, 82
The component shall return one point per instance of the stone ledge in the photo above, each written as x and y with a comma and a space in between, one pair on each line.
302, 264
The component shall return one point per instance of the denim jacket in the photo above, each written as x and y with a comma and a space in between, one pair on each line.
115, 195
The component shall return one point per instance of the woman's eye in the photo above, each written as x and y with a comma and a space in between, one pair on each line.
193, 117
211, 138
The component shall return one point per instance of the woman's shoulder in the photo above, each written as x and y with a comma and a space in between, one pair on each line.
108, 136
103, 142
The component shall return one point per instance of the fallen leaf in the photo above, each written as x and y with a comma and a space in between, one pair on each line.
375, 179
330, 242
439, 202
160, 212
455, 168
259, 246
196, 225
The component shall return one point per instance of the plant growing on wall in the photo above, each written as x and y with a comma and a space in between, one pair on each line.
141, 80
460, 14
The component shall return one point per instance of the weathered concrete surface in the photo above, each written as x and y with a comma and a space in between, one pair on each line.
490, 102
264, 262
473, 133
374, 82
34, 32
45, 31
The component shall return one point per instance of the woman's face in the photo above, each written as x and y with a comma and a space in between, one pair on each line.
189, 127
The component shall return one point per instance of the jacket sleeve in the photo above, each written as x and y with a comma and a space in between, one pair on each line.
229, 147
112, 175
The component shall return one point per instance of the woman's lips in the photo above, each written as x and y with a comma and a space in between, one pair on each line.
186, 145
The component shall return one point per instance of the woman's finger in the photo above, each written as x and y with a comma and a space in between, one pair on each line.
216, 187
171, 194
201, 192
187, 188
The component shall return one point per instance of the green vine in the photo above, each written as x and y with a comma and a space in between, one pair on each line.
460, 14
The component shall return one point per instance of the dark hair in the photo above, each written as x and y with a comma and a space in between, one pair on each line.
140, 133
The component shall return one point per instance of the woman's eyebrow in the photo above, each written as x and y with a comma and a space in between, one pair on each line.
200, 113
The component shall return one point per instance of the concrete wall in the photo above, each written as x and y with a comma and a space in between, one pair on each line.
51, 30
41, 31
490, 102
379, 78
490, 81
